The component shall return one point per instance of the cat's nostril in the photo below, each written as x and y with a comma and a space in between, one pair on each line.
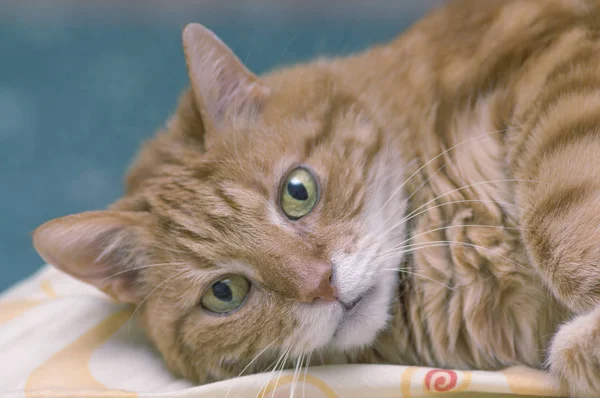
320, 286
326, 290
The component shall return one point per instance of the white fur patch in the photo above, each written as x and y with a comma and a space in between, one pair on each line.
372, 269
369, 273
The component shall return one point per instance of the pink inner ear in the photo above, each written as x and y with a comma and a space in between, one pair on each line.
96, 247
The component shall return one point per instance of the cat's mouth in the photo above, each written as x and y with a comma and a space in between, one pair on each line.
363, 314
350, 305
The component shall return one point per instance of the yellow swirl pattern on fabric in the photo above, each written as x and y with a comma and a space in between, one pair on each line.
269, 389
13, 309
69, 368
80, 393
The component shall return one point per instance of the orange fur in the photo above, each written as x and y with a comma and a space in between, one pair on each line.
459, 195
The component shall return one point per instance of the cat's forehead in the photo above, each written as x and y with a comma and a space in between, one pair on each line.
292, 127
317, 96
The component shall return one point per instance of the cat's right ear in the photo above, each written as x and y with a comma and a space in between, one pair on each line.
102, 248
223, 87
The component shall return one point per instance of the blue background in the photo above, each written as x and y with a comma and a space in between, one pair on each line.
81, 88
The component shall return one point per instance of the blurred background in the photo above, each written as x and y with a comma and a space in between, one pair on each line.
84, 83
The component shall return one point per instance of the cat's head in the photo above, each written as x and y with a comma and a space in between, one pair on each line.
264, 221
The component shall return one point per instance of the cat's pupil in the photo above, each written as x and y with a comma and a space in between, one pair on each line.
222, 291
297, 190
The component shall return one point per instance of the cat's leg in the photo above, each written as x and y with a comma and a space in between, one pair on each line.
562, 235
559, 157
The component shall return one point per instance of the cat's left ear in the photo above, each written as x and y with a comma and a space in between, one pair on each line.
103, 248
223, 87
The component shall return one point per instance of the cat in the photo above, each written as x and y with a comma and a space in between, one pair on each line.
431, 201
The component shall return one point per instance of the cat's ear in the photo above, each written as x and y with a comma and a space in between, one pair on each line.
102, 248
223, 87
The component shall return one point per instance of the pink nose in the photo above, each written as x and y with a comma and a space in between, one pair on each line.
319, 285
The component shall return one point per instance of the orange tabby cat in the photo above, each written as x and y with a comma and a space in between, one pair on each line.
434, 201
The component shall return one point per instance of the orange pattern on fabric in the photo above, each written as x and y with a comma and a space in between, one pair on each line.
522, 380
12, 309
405, 381
79, 393
47, 288
69, 368
289, 379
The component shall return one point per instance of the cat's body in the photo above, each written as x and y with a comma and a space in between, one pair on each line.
463, 153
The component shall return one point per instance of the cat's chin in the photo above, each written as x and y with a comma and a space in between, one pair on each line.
362, 319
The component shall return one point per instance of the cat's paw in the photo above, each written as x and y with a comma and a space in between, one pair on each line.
574, 356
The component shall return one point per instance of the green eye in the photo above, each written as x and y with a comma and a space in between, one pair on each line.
226, 295
299, 193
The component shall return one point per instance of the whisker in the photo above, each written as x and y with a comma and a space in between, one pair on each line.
282, 357
256, 357
263, 389
420, 276
138, 268
400, 244
448, 242
283, 363
296, 369
306, 373
404, 250
414, 193
165, 288
411, 216
433, 159
250, 363
149, 294
407, 217
287, 46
